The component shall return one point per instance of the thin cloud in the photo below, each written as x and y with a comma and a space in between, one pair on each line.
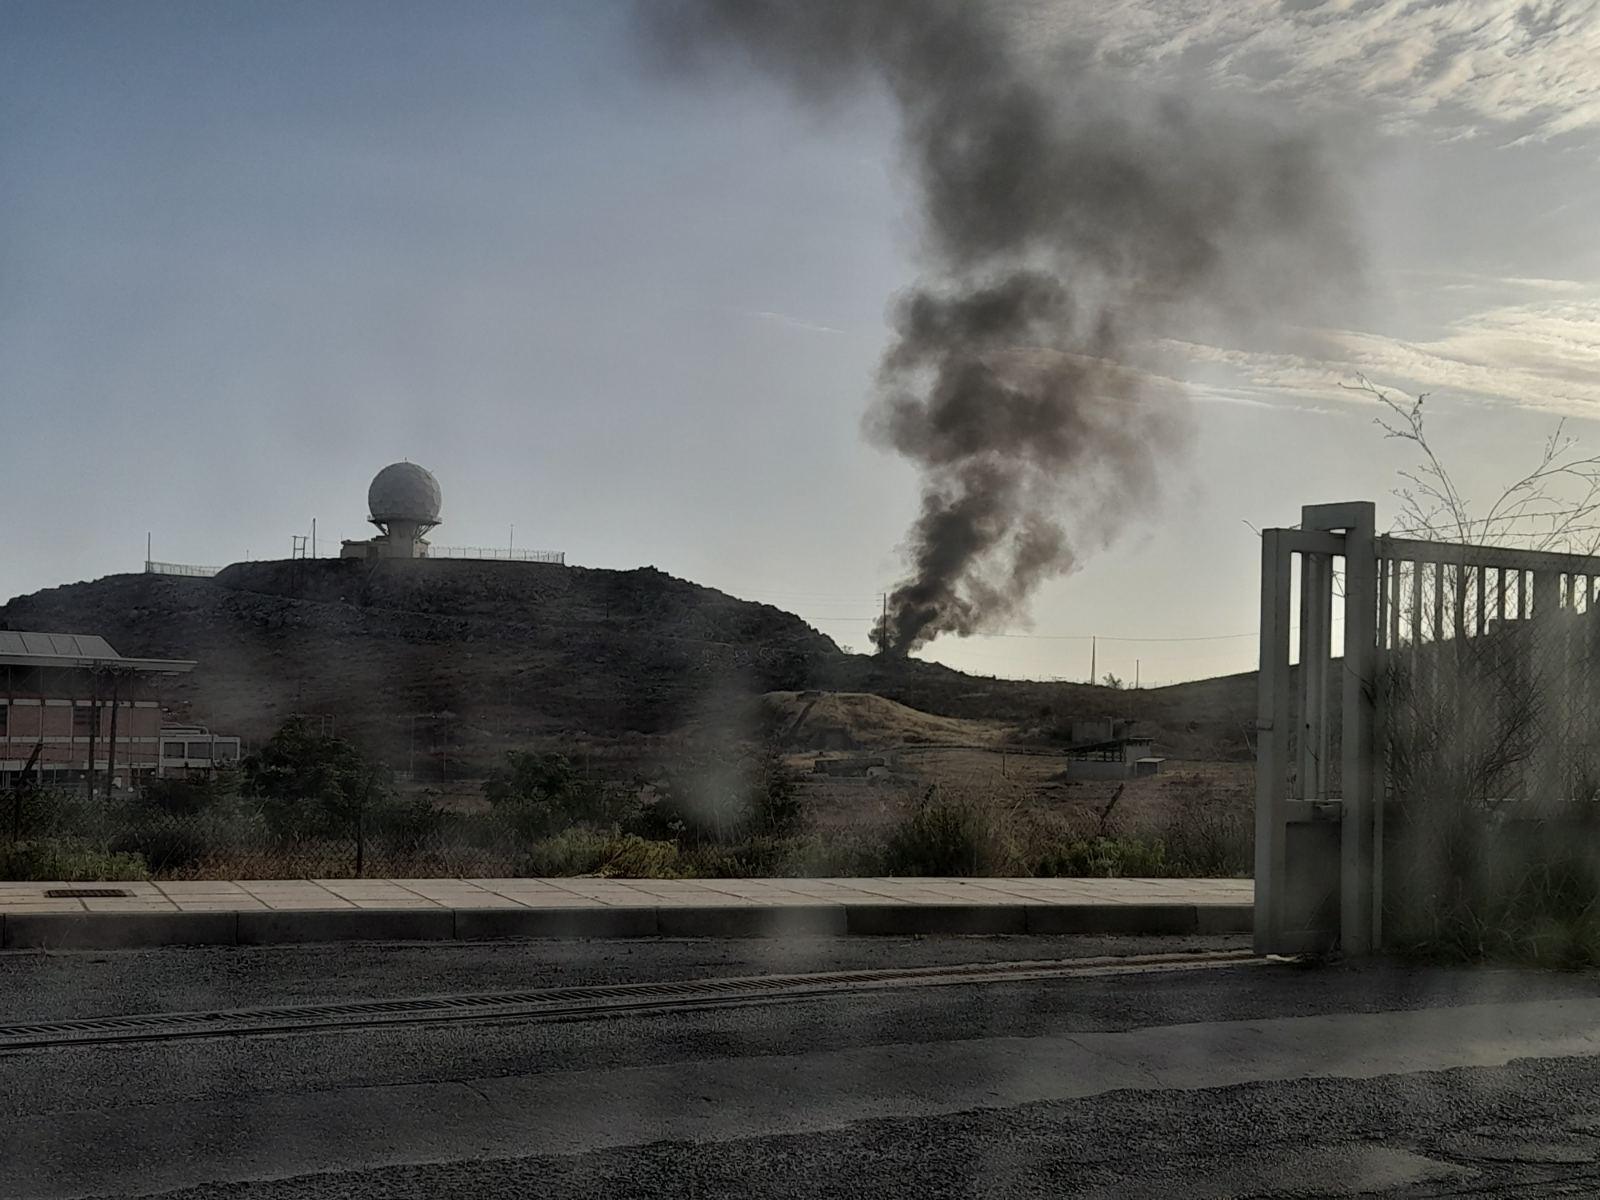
1457, 69
791, 322
1542, 355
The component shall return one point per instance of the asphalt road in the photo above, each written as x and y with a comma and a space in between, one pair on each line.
1226, 1081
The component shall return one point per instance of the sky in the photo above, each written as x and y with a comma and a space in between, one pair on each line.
250, 253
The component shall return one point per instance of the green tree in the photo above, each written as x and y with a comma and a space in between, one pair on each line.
179, 796
542, 794
311, 784
719, 793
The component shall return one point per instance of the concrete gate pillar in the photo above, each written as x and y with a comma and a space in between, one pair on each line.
1318, 870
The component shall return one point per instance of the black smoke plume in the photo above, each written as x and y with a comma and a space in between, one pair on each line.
1069, 220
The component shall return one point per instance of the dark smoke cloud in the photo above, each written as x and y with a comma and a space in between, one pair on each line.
1067, 219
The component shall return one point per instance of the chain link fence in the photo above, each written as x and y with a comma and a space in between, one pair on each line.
1488, 713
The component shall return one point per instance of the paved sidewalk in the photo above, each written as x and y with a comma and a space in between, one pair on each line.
283, 911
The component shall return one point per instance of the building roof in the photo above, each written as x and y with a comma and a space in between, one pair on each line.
19, 649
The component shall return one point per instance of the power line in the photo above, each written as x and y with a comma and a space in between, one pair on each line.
1070, 637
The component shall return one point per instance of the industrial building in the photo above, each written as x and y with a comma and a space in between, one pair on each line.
69, 703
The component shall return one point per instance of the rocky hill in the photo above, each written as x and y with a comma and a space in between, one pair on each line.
430, 662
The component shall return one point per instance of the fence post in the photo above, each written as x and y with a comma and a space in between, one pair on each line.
1272, 743
1543, 656
1361, 876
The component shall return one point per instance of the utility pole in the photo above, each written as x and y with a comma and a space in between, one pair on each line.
313, 537
1094, 647
1136, 674
147, 552
111, 741
94, 725
883, 629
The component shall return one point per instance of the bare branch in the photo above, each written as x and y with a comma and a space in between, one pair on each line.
1550, 507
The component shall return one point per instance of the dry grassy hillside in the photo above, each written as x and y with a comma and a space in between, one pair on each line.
816, 720
445, 664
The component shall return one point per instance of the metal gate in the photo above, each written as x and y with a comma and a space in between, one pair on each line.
1466, 689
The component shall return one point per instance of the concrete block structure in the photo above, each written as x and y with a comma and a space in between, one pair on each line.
1123, 757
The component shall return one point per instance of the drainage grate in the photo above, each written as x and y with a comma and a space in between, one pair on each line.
567, 1003
89, 893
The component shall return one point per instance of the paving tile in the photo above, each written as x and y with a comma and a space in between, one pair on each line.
532, 897
511, 881
135, 889
158, 904
427, 881
417, 902
43, 906
360, 888
173, 887
479, 900
288, 891
296, 903
677, 893
448, 888
610, 894
787, 897
253, 884
207, 904
526, 892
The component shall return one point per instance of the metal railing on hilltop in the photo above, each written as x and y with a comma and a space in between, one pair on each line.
187, 569
499, 553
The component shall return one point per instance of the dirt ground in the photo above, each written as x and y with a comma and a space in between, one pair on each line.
1029, 782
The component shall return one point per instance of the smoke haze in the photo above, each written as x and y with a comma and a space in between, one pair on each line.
1067, 220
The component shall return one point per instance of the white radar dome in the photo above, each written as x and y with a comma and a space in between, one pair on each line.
404, 491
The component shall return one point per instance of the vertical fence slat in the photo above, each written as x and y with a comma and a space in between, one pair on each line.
1394, 613
1439, 602
1316, 582
1385, 608
1272, 742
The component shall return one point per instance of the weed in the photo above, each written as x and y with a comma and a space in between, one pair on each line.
959, 836
67, 860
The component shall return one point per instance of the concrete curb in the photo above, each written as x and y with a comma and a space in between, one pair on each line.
138, 930
116, 931
257, 927
487, 924
900, 920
